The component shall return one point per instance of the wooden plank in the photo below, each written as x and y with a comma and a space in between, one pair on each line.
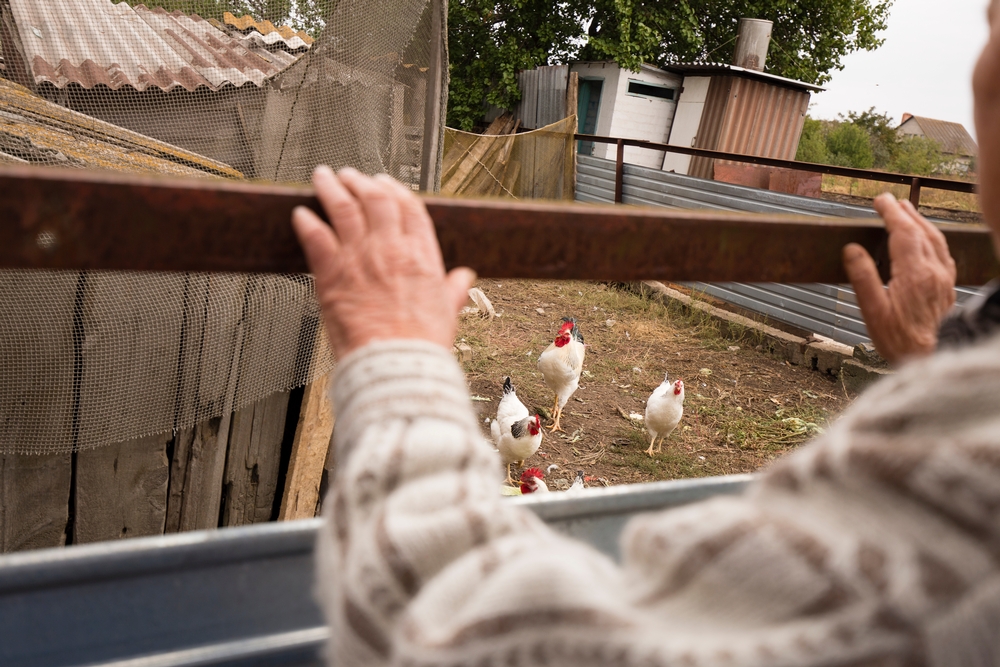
196, 476
251, 476
121, 490
309, 452
34, 500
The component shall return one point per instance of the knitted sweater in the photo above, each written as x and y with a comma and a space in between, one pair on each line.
878, 544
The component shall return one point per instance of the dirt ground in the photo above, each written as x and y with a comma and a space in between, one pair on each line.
743, 408
973, 217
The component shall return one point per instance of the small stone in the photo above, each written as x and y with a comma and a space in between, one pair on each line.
540, 311
463, 352
734, 348
610, 323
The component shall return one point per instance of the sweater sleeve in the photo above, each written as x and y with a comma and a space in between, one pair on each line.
875, 545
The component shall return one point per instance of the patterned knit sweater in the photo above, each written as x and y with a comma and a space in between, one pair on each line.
876, 545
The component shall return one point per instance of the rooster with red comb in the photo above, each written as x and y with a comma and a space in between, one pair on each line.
561, 365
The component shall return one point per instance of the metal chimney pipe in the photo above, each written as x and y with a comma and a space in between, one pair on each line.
752, 42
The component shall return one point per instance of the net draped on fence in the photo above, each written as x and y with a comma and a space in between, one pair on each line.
98, 358
540, 164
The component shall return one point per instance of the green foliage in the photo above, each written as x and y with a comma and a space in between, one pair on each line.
300, 14
812, 144
809, 39
917, 155
882, 135
868, 140
490, 41
850, 146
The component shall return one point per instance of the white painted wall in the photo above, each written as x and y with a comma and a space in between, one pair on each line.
631, 116
687, 120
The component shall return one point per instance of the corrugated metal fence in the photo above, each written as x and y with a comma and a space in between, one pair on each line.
828, 310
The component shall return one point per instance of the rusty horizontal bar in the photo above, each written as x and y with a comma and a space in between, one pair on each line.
849, 172
86, 220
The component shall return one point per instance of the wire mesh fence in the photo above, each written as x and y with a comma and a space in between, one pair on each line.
260, 90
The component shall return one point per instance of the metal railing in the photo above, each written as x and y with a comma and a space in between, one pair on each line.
916, 183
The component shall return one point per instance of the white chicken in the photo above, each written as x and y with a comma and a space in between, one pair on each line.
516, 433
561, 365
664, 410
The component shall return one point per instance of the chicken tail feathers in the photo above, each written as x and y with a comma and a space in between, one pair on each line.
508, 388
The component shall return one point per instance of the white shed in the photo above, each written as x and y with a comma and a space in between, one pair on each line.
615, 102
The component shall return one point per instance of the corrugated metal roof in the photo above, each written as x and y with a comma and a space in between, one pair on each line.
708, 69
95, 42
36, 131
953, 137
265, 32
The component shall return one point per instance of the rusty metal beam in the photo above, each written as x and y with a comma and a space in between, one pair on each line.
82, 220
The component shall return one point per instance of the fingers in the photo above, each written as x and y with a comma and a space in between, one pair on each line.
317, 239
904, 232
934, 235
460, 281
864, 277
416, 221
379, 203
340, 205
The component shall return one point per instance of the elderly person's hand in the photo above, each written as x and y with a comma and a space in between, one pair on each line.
379, 272
903, 320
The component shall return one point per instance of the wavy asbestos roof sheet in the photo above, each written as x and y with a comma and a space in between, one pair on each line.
95, 42
267, 33
36, 131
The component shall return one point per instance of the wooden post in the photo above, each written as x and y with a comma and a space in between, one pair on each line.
573, 97
915, 187
620, 172
436, 92
309, 452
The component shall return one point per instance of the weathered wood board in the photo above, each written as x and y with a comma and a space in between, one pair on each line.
121, 490
34, 500
309, 452
251, 476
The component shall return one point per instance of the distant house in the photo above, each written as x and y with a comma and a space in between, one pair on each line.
957, 145
192, 83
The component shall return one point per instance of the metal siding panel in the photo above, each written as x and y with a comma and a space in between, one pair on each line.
711, 125
829, 310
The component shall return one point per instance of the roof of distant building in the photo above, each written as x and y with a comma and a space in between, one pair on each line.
953, 137
267, 33
97, 42
36, 131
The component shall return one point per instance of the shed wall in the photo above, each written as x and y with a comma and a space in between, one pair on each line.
641, 117
687, 118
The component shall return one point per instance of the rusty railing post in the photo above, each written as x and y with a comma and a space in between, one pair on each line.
620, 171
915, 193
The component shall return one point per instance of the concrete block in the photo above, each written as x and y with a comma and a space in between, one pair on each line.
463, 352
857, 377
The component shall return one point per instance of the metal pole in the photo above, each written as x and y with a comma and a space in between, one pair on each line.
915, 192
67, 219
436, 72
620, 171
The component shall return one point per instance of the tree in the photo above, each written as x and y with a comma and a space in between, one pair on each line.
918, 155
300, 14
491, 40
809, 40
849, 146
882, 134
812, 144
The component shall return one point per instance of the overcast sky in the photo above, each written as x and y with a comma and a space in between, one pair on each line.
924, 67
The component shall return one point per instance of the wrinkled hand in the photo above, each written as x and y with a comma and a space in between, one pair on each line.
379, 272
903, 320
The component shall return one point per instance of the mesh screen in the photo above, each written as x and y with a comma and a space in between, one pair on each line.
540, 164
258, 89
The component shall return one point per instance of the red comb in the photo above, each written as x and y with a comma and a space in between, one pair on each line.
532, 472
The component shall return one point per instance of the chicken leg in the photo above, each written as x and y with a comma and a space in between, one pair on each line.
650, 450
556, 416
